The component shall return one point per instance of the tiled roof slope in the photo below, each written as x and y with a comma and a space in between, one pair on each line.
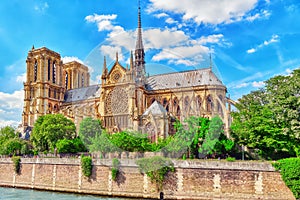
80, 94
183, 79
156, 109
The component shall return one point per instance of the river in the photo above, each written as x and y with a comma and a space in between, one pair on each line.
16, 194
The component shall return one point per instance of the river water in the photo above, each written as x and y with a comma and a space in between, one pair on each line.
21, 194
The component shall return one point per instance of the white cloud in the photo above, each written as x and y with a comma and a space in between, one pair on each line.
224, 11
104, 22
157, 38
252, 50
255, 84
12, 101
263, 14
11, 123
21, 78
67, 59
11, 106
168, 43
160, 15
274, 39
170, 20
258, 84
111, 52
41, 8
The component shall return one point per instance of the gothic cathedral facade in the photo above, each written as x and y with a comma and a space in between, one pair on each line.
126, 99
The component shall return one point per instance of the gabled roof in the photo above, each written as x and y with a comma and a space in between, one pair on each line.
80, 94
155, 109
182, 79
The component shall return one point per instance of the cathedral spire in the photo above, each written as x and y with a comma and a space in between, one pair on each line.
139, 51
104, 71
139, 41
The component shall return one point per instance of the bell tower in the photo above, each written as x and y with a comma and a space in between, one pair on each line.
44, 87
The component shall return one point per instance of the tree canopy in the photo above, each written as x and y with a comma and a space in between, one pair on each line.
88, 129
48, 129
268, 120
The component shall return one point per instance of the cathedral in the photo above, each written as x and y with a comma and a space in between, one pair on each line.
126, 99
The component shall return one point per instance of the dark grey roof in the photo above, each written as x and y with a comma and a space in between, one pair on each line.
183, 79
80, 94
155, 109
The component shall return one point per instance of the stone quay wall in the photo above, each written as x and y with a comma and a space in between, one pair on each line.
192, 179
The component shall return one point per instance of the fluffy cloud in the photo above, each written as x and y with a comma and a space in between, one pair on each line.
263, 14
11, 106
274, 39
67, 59
169, 44
21, 78
104, 22
205, 11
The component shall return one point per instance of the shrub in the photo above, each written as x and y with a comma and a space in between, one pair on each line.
230, 159
86, 165
17, 164
156, 168
115, 169
290, 171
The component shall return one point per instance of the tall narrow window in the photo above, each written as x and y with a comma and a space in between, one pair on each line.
35, 70
49, 69
82, 80
209, 104
54, 72
198, 103
67, 80
78, 82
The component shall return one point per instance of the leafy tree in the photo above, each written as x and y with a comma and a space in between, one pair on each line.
290, 172
11, 144
131, 141
48, 129
88, 129
268, 120
70, 146
102, 143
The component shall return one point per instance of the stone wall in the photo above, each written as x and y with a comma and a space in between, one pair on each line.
198, 179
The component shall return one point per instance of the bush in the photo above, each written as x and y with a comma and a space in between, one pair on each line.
17, 164
115, 169
290, 171
86, 165
156, 168
230, 159
70, 146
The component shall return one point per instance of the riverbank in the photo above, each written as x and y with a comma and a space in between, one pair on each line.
192, 179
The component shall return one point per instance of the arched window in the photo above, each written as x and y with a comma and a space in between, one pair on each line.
82, 80
54, 72
49, 93
186, 103
198, 103
220, 109
67, 80
35, 70
165, 103
209, 104
49, 69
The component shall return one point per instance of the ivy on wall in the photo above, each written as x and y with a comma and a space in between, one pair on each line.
156, 168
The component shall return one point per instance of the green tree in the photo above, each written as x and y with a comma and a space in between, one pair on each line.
48, 129
70, 146
268, 120
88, 129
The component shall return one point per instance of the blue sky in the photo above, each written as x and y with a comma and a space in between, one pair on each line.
249, 40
